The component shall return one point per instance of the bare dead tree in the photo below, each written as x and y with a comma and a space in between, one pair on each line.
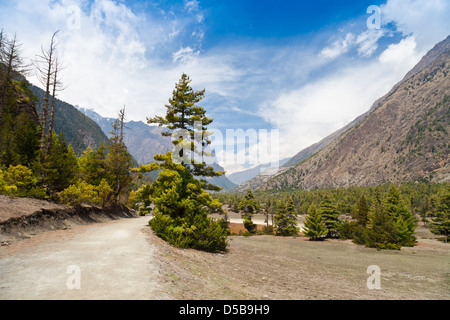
122, 122
57, 86
45, 66
12, 65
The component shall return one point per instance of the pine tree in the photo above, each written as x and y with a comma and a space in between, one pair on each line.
362, 211
11, 63
285, 220
441, 223
401, 215
381, 233
118, 161
314, 227
248, 207
18, 128
181, 200
60, 167
92, 165
330, 216
187, 123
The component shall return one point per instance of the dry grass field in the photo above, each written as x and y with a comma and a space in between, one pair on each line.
294, 268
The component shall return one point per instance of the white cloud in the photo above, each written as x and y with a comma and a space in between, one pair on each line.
339, 47
116, 57
365, 43
427, 20
185, 55
191, 5
368, 42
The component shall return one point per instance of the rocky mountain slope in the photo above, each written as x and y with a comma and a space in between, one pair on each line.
243, 176
404, 136
78, 129
144, 142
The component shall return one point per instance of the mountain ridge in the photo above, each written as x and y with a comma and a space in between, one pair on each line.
144, 142
401, 138
78, 129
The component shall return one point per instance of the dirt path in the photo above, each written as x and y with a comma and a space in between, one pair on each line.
111, 260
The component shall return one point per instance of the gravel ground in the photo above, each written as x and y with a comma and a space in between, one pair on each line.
293, 268
110, 260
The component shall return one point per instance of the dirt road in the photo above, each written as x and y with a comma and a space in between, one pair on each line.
111, 260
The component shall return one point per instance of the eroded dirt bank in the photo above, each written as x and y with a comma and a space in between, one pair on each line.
22, 218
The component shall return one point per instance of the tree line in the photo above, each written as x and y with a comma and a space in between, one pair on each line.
383, 216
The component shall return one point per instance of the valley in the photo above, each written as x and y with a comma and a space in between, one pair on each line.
328, 177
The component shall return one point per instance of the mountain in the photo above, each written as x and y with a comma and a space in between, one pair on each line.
79, 130
404, 136
144, 142
309, 151
246, 175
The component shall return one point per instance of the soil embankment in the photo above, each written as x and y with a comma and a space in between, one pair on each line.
21, 218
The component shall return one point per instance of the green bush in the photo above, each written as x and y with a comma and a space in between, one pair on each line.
250, 226
202, 233
83, 192
267, 230
20, 181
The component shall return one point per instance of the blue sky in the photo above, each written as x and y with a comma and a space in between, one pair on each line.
305, 68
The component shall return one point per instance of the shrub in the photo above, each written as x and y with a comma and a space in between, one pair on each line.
267, 229
19, 181
83, 192
203, 234
250, 225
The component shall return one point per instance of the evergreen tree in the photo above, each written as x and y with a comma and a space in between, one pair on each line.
248, 207
118, 161
330, 216
285, 219
18, 127
381, 232
401, 215
92, 165
314, 227
188, 123
181, 200
60, 168
441, 223
362, 211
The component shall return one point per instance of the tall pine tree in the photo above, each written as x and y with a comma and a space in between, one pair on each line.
314, 227
285, 219
441, 222
181, 201
330, 216
401, 215
118, 161
362, 211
